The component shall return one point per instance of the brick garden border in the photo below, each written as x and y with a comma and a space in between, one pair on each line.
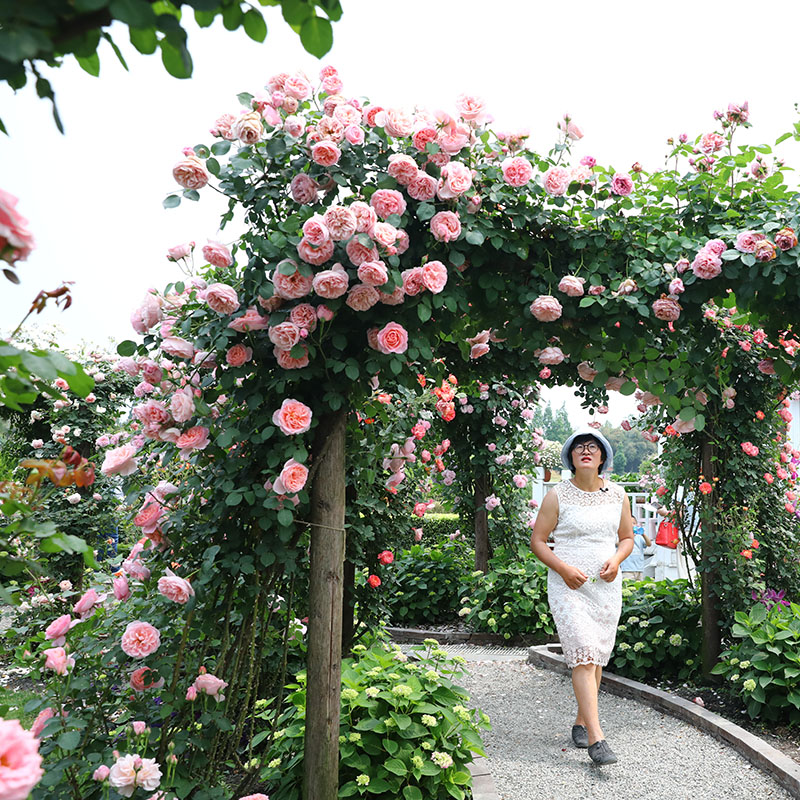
783, 769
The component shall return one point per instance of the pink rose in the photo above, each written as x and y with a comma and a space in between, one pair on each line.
517, 171
249, 128
38, 726
621, 184
311, 255
292, 417
286, 361
56, 659
707, 264
365, 216
297, 86
766, 366
746, 241
16, 241
402, 168
141, 680
304, 189
358, 253
386, 202
191, 694
294, 285
412, 281
383, 234
546, 308
140, 639
445, 226
340, 223
304, 315
394, 299
587, 371
711, 143
397, 122
422, 186
520, 481
56, 631
237, 355
325, 153
130, 772
324, 313
392, 338
556, 181
331, 283
456, 179
174, 588
294, 126
470, 107
595, 290
180, 251
292, 479
570, 129
315, 232
175, 346
120, 461
101, 773
182, 406
765, 250
572, 285
786, 238
373, 273
222, 298
121, 589
676, 286
217, 254
434, 275
666, 309
20, 762
147, 315
423, 136
85, 605
716, 246
362, 297
354, 134
251, 320
209, 684
478, 350
452, 140
195, 438
286, 335
551, 355
190, 172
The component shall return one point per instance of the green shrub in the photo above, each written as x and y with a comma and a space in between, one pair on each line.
437, 528
763, 667
511, 598
659, 632
405, 732
423, 582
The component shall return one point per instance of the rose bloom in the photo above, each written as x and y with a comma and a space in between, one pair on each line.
315, 232
87, 602
402, 168
392, 338
666, 309
311, 255
249, 128
325, 153
140, 681
358, 253
556, 181
394, 299
56, 659
190, 172
120, 461
445, 226
766, 366
372, 338
140, 639
56, 631
174, 588
196, 438
373, 273
397, 122
222, 298
304, 315
16, 241
147, 314
546, 308
386, 202
304, 189
422, 186
571, 285
456, 179
251, 320
517, 171
711, 143
130, 772
707, 264
384, 234
354, 134
37, 727
621, 184
175, 346
340, 222
365, 216
295, 285
374, 581
292, 417
210, 684
297, 86
292, 479
294, 126
121, 588
434, 276
362, 297
331, 283
287, 361
676, 286
412, 281
217, 254
551, 355
765, 251
20, 762
786, 238
286, 335
587, 371
423, 136
746, 241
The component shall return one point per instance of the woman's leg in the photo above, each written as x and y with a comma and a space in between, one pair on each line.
598, 677
584, 683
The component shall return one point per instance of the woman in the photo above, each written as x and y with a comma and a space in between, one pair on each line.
586, 515
633, 566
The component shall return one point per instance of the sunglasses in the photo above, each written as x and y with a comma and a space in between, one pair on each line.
587, 447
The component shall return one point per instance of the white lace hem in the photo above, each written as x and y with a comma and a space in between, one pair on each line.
584, 655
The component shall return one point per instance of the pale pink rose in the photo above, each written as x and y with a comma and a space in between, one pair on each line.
517, 171
362, 297
551, 355
384, 234
570, 129
452, 140
386, 202
190, 172
581, 174
152, 372
131, 772
556, 181
121, 589
373, 273
478, 350
707, 264
445, 226
365, 216
148, 314
715, 246
621, 184
294, 126
598, 289
286, 361
174, 588
304, 189
456, 178
358, 253
412, 281
329, 129
347, 114
37, 444
178, 347
57, 660
520, 481
86, 604
292, 479
434, 276
331, 283
180, 251
16, 241
315, 232
217, 254
181, 406
479, 338
324, 313
249, 128
297, 86
340, 222
196, 438
101, 773
397, 297
56, 631
251, 320
140, 639
20, 762
470, 107
766, 366
392, 338
676, 286
222, 298
325, 153
311, 255
423, 136
304, 315
292, 417
397, 122
587, 371
38, 725
120, 461
422, 186
136, 568
571, 285
402, 168
746, 241
237, 355
285, 335
626, 287
711, 143
546, 308
223, 127
667, 309
354, 134
209, 684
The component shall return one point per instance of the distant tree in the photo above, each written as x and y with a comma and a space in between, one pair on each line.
630, 448
556, 426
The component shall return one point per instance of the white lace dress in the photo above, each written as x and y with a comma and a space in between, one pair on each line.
586, 537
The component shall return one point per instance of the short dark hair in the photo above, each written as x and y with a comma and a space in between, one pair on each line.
587, 437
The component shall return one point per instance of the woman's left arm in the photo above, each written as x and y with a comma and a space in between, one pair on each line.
625, 547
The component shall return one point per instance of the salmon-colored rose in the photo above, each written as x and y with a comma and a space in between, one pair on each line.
238, 354
196, 438
392, 338
190, 172
292, 417
251, 320
140, 639
292, 479
179, 590
434, 276
222, 298
325, 153
340, 222
362, 297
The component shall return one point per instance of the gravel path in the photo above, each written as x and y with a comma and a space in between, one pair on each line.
531, 756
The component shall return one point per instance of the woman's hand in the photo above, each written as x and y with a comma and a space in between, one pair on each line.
609, 570
573, 577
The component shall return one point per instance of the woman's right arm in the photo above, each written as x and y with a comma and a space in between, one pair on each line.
546, 522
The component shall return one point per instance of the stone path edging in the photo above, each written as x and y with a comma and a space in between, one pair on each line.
762, 755
482, 782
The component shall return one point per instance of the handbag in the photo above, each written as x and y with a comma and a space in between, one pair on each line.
668, 535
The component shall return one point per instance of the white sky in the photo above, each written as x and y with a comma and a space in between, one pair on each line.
630, 73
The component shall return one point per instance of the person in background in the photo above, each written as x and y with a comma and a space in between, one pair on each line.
633, 565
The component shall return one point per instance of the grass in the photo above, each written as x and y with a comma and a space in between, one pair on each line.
13, 702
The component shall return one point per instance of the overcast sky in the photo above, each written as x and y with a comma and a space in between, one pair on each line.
631, 74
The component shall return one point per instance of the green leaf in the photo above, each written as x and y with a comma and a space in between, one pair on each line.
295, 12
126, 348
176, 60
144, 40
90, 64
316, 35
411, 793
424, 312
425, 210
254, 25
758, 613
396, 766
285, 517
475, 237
69, 740
134, 13
172, 201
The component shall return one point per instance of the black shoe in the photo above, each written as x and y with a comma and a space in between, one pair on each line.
580, 736
601, 753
